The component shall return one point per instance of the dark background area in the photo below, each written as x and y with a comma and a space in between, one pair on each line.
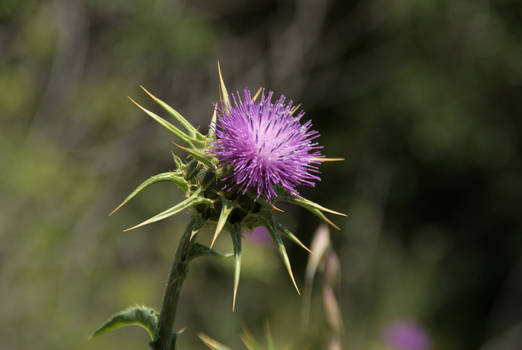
422, 97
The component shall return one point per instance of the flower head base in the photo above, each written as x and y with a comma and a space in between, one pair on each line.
266, 145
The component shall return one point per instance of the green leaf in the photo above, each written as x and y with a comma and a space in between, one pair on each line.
226, 208
175, 131
211, 343
170, 176
189, 202
276, 237
286, 232
235, 233
137, 315
193, 132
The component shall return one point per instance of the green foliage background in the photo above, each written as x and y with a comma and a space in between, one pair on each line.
423, 98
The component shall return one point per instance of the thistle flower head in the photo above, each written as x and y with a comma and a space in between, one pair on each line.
260, 146
266, 145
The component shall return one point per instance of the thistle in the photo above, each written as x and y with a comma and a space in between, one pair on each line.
254, 155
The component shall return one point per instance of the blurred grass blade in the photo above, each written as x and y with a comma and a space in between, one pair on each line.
268, 335
332, 310
276, 237
138, 315
235, 233
170, 176
193, 132
211, 343
286, 232
248, 340
202, 157
320, 246
191, 201
226, 208
175, 131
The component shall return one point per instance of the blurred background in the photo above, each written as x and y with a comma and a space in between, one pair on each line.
422, 97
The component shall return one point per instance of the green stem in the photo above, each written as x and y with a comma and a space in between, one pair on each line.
178, 272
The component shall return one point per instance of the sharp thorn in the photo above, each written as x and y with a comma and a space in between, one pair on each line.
295, 109
321, 159
117, 208
257, 94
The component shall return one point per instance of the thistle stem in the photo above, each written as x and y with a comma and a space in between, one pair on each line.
178, 272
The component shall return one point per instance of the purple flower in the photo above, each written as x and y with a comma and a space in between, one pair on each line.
260, 235
266, 145
406, 336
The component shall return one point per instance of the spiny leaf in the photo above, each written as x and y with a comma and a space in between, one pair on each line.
320, 214
223, 89
226, 208
138, 315
175, 131
223, 96
292, 237
308, 203
189, 202
213, 120
170, 176
314, 208
176, 115
202, 157
177, 161
276, 237
198, 222
202, 250
235, 233
211, 343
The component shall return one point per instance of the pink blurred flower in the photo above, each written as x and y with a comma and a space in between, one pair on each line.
259, 235
406, 336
